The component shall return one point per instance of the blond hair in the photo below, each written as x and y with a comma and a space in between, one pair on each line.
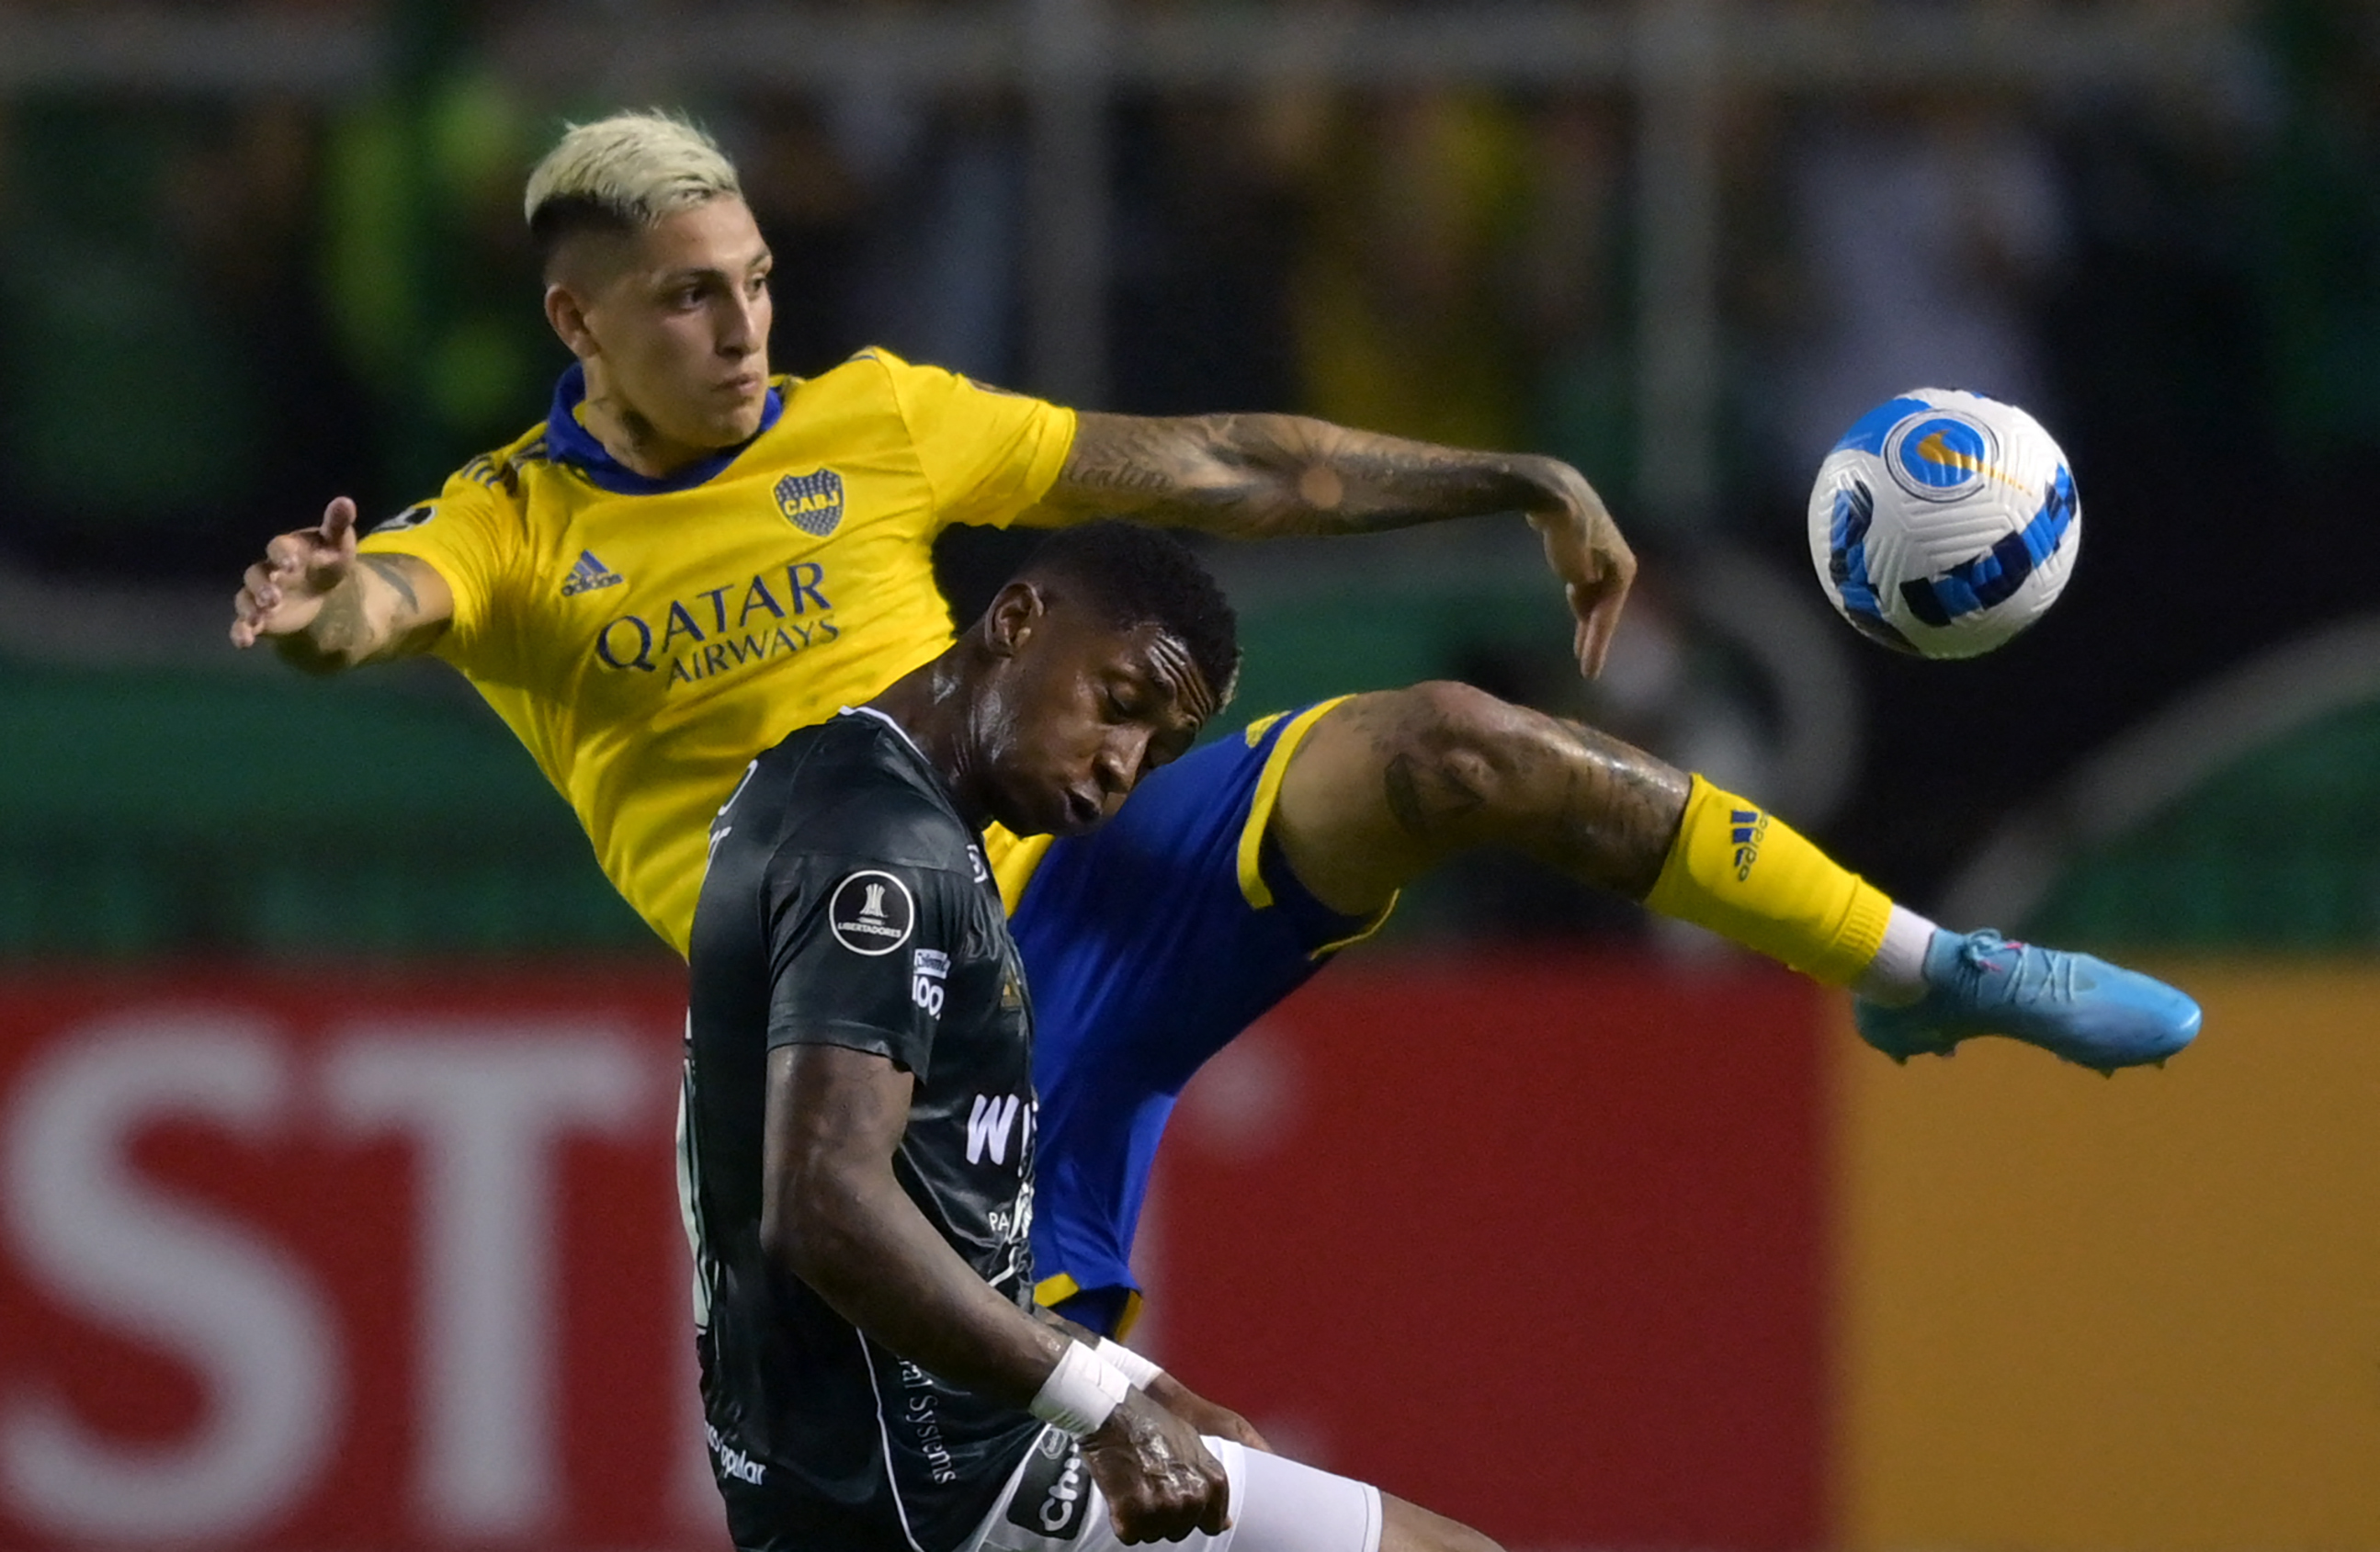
621, 174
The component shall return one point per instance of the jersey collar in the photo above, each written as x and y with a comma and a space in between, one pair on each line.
568, 442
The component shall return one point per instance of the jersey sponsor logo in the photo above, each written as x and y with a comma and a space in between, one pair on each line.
1053, 1494
589, 575
921, 1412
870, 912
733, 1462
928, 969
1747, 826
412, 518
812, 502
992, 1123
773, 615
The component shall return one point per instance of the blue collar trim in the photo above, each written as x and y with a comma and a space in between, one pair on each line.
567, 442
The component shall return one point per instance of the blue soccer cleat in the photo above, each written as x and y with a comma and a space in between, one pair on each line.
2076, 1007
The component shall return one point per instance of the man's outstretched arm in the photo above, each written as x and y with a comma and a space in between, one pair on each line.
1274, 476
326, 608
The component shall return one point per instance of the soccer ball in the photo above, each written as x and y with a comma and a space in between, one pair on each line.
1944, 523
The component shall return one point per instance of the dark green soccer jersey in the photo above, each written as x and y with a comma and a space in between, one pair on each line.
848, 905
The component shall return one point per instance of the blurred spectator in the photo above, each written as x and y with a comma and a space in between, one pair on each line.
1402, 298
1209, 224
1927, 227
160, 359
936, 273
812, 209
2320, 233
427, 276
1572, 293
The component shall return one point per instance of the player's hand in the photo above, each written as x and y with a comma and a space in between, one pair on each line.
1583, 546
1159, 1480
1217, 1421
281, 594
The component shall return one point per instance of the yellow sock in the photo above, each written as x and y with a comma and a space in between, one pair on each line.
1750, 878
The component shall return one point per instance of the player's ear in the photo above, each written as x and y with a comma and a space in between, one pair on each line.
1011, 620
568, 316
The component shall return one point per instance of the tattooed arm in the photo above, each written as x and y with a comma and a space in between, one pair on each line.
326, 607
1271, 476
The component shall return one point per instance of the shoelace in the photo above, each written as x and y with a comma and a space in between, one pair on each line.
2032, 976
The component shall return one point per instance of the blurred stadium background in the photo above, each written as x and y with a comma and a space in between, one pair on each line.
334, 1084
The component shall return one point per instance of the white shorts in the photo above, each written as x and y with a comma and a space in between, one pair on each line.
1052, 1505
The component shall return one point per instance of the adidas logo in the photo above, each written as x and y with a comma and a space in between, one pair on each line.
1748, 826
589, 575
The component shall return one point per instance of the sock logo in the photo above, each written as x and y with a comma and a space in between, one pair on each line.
1749, 825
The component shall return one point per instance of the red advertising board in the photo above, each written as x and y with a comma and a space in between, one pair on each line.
391, 1259
1532, 1242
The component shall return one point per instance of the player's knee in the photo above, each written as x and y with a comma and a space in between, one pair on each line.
1406, 1527
1452, 751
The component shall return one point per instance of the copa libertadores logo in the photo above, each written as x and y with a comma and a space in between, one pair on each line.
871, 913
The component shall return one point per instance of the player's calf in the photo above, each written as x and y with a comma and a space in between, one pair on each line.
1391, 784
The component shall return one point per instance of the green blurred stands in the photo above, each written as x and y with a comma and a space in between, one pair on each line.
2278, 850
260, 813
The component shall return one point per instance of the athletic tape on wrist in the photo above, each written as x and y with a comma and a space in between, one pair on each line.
1080, 1393
1137, 1369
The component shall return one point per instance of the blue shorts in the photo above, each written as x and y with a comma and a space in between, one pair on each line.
1148, 945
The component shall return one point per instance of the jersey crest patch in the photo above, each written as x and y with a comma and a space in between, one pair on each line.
412, 518
813, 501
871, 913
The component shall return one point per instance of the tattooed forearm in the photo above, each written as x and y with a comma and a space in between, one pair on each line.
358, 624
1252, 476
392, 571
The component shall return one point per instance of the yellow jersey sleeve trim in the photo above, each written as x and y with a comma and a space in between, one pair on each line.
1253, 888
1052, 1292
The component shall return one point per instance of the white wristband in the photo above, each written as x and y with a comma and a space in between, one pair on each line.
1080, 1392
1137, 1369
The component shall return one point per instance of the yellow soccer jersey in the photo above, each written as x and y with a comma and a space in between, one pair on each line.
647, 638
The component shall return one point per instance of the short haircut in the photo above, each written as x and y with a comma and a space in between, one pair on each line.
1136, 575
619, 175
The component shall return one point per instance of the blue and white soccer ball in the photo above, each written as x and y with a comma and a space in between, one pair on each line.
1944, 523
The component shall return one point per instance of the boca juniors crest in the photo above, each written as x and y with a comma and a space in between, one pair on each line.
812, 502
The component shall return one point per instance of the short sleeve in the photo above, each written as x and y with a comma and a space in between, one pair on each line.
470, 539
859, 953
987, 455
